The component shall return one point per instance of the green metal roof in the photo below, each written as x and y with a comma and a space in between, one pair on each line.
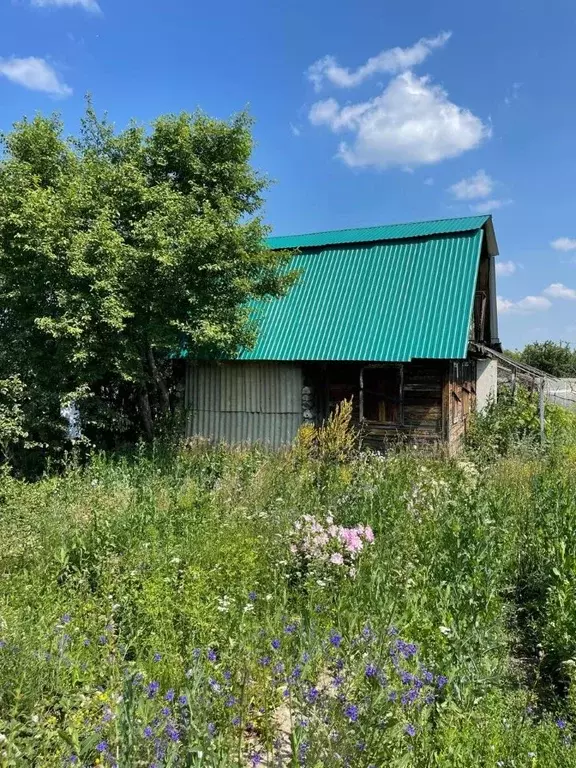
372, 234
404, 297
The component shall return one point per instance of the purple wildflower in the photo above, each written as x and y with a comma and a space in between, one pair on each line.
392, 631
147, 732
275, 644
211, 655
371, 670
255, 759
153, 689
183, 699
392, 696
102, 746
102, 639
170, 695
227, 675
561, 724
441, 681
236, 720
335, 639
312, 695
196, 653
172, 732
278, 668
410, 730
231, 701
211, 729
264, 661
302, 750
289, 629
73, 759
66, 619
430, 698
337, 681
305, 657
214, 685
351, 712
252, 596
157, 657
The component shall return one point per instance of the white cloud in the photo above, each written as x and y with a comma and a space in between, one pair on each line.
564, 244
389, 61
88, 5
525, 306
478, 185
487, 206
560, 291
35, 74
411, 123
505, 268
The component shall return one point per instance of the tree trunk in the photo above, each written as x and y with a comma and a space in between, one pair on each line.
158, 380
146, 414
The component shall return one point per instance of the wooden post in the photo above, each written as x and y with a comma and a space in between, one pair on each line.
542, 404
513, 386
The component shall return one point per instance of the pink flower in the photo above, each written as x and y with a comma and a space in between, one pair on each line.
337, 559
351, 539
368, 534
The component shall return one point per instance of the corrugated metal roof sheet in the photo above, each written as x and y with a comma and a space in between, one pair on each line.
386, 232
379, 301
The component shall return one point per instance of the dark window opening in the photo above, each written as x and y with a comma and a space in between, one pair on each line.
382, 394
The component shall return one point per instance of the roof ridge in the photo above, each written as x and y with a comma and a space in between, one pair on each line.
380, 226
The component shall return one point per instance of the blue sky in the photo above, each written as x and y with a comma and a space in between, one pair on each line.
366, 112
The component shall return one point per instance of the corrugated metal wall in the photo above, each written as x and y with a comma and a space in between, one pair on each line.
244, 402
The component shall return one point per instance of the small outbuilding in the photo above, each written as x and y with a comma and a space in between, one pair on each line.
394, 317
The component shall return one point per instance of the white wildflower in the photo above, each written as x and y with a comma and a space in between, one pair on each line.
445, 631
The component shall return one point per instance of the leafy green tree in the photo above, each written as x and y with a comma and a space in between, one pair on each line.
117, 249
555, 358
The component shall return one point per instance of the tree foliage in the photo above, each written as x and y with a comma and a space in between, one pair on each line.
555, 358
118, 249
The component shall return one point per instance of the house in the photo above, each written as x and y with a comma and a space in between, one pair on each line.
395, 317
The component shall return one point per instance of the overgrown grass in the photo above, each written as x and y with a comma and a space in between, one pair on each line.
169, 610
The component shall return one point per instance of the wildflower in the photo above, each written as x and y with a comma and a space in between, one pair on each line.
303, 722
165, 711
275, 644
392, 631
392, 696
107, 716
102, 639
368, 534
102, 746
407, 650
351, 712
361, 746
252, 596
86, 642
264, 661
147, 732
227, 675
305, 657
214, 685
302, 750
561, 723
429, 698
211, 729
170, 695
211, 654
231, 701
236, 720
196, 653
311, 695
296, 673
183, 699
410, 730
367, 633
157, 657
289, 629
427, 676
441, 681
152, 689
337, 559
255, 759
73, 759
337, 681
66, 619
335, 639
371, 670
172, 732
